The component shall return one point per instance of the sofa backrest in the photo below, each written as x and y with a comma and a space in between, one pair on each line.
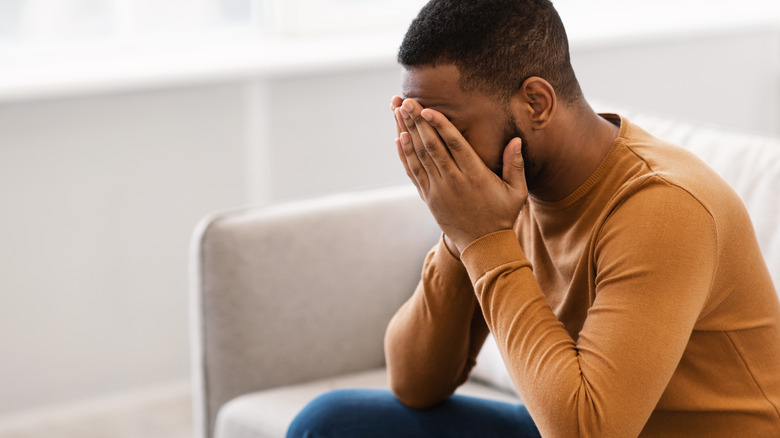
316, 265
749, 162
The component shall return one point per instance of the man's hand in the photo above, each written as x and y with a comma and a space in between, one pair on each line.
467, 200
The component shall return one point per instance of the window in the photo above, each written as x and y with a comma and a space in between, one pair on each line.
58, 20
337, 16
36, 21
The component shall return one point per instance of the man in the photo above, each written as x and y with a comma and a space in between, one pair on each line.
620, 277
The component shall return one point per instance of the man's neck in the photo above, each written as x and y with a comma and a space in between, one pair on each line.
581, 142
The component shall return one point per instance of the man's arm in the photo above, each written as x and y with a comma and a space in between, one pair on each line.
655, 263
432, 342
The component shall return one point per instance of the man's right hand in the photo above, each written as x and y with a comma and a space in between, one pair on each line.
396, 102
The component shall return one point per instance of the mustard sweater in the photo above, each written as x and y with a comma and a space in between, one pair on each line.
640, 305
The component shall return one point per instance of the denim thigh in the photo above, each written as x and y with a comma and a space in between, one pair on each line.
376, 413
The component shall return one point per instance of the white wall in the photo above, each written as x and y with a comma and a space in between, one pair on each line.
320, 133
730, 78
99, 194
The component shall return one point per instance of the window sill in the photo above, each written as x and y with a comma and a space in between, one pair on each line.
63, 71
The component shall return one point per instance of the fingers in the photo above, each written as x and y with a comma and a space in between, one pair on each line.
402, 157
428, 145
406, 153
462, 153
416, 171
431, 149
413, 142
514, 166
395, 103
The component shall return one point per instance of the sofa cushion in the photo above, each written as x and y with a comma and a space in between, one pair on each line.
749, 162
267, 414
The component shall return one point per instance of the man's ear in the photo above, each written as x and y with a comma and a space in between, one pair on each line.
536, 101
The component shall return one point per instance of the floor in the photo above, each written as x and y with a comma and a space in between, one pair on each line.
162, 416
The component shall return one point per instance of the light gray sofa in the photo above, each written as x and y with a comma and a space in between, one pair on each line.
289, 301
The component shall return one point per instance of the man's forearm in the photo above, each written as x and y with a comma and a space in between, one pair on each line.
431, 342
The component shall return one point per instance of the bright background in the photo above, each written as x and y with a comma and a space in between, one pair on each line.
123, 122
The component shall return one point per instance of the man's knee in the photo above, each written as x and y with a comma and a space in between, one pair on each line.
332, 414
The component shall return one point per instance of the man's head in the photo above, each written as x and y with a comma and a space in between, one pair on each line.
496, 68
495, 44
499, 69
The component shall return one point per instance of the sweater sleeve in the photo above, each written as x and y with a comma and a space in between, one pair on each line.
654, 261
432, 342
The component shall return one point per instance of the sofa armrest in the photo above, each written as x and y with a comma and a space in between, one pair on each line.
299, 291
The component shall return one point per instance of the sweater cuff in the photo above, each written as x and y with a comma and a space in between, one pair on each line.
491, 251
447, 265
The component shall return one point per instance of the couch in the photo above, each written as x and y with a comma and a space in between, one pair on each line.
291, 300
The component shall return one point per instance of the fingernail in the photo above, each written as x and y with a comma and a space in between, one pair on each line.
408, 106
404, 113
404, 138
426, 115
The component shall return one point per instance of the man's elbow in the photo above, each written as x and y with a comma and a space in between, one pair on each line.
417, 397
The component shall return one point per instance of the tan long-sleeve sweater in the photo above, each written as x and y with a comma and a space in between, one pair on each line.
640, 305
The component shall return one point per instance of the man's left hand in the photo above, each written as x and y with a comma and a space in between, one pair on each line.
467, 199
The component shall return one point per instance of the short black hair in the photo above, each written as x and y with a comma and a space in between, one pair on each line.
495, 44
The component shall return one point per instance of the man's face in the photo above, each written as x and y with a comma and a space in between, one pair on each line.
485, 123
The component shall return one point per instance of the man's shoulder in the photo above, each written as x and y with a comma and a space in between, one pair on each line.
672, 172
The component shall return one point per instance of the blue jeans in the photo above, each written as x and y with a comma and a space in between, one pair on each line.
376, 413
